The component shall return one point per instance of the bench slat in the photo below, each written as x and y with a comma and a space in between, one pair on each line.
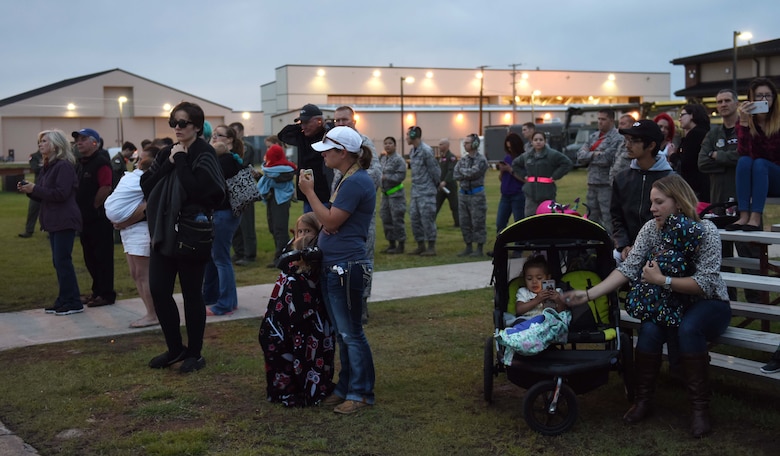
745, 263
755, 311
751, 281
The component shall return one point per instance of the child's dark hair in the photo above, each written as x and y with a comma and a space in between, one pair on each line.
537, 261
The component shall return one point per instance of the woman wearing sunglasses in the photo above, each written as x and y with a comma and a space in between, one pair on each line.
345, 266
758, 145
184, 178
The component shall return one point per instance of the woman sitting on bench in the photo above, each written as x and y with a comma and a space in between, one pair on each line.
704, 318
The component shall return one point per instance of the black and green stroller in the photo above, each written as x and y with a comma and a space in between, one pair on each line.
579, 255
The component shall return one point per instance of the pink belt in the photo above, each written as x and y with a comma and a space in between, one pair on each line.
540, 180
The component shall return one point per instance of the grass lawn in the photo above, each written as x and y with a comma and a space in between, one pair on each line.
97, 397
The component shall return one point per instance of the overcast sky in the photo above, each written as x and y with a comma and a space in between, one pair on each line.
225, 50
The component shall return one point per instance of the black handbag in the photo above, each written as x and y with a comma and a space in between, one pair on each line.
194, 237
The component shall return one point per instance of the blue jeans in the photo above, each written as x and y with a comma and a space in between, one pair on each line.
62, 256
756, 179
510, 204
219, 280
703, 321
343, 294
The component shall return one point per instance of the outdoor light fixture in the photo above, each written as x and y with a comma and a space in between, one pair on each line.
745, 36
121, 100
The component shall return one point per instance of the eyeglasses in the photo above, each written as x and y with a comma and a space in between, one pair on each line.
181, 123
218, 135
683, 114
630, 140
327, 138
762, 96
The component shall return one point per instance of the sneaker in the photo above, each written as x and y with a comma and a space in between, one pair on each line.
192, 365
52, 309
69, 309
166, 359
773, 365
99, 301
25, 235
349, 407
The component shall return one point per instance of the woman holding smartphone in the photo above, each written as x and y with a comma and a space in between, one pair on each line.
758, 168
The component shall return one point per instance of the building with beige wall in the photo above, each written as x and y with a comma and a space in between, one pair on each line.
92, 101
445, 102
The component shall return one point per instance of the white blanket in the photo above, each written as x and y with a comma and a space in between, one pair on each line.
125, 198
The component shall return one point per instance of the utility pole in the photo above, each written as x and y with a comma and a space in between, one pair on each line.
481, 86
514, 92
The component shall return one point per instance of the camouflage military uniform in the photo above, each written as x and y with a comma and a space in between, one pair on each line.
472, 203
393, 206
599, 155
426, 176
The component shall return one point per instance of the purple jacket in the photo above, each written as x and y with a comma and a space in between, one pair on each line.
55, 188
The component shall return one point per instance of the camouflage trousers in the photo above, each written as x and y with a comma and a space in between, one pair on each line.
599, 198
472, 210
392, 212
422, 214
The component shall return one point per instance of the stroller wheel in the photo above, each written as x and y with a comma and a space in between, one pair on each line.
489, 370
544, 417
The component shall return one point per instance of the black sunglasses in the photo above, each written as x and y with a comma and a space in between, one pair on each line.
181, 123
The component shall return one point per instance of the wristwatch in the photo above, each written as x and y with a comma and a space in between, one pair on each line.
668, 283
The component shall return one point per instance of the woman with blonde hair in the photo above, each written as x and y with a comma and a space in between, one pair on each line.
705, 315
60, 216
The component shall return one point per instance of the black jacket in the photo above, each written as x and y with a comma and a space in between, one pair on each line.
630, 206
309, 158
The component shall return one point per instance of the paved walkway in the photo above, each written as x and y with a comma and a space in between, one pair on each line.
34, 327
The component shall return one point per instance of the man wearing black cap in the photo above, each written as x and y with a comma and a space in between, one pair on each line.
630, 206
308, 129
97, 235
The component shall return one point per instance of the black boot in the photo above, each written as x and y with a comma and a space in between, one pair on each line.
646, 367
479, 251
431, 249
399, 249
467, 251
695, 368
420, 248
390, 248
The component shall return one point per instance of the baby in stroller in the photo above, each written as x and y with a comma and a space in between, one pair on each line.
539, 292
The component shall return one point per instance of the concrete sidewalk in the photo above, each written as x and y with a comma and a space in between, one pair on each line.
34, 327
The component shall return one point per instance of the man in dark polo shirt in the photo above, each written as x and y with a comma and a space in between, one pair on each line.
97, 234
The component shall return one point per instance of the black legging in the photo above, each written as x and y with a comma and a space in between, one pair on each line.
162, 278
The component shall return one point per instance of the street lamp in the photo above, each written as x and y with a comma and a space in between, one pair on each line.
744, 36
122, 100
534, 94
408, 79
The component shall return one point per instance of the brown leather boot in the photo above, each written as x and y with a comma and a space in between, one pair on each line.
696, 371
646, 368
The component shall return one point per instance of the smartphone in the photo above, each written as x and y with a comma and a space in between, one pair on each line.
548, 285
760, 107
